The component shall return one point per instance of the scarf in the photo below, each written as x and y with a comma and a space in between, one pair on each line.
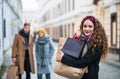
41, 42
26, 37
87, 39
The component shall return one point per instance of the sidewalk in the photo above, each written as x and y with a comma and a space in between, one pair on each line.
113, 60
8, 61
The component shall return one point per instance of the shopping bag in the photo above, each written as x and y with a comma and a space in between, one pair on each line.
12, 72
65, 70
73, 47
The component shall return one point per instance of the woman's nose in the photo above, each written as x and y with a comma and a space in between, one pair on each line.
87, 28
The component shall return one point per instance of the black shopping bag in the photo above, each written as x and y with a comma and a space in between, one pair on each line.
73, 47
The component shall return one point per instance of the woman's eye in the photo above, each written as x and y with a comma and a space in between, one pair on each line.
90, 26
84, 26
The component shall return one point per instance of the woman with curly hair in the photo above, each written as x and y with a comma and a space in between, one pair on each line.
92, 32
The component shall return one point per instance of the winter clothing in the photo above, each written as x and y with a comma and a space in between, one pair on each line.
22, 50
90, 59
42, 30
91, 18
44, 50
25, 36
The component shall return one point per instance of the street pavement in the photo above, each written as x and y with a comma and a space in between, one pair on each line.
109, 69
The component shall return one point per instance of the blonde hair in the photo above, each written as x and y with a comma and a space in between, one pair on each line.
42, 30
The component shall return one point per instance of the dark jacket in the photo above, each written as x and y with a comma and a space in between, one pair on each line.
91, 59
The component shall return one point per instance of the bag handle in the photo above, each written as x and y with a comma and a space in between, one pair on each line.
75, 36
78, 37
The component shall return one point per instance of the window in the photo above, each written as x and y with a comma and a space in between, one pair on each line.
114, 29
4, 28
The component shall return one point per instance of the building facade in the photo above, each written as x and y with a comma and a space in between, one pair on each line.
11, 12
62, 18
112, 23
1, 40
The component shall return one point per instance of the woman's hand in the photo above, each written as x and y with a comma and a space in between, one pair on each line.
59, 57
77, 33
14, 60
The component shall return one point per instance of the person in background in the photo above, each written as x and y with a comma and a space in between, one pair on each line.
44, 49
22, 51
92, 32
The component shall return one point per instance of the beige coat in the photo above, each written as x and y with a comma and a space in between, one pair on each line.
18, 52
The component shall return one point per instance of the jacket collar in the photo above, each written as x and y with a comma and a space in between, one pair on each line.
30, 39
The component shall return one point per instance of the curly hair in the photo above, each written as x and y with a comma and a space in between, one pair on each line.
99, 37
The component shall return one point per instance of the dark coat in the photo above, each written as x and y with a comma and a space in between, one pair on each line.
91, 59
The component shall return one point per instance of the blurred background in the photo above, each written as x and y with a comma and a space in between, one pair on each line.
61, 18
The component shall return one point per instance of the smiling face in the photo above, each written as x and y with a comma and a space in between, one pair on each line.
40, 34
88, 27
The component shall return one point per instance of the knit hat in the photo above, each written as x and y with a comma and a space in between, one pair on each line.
91, 18
42, 30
